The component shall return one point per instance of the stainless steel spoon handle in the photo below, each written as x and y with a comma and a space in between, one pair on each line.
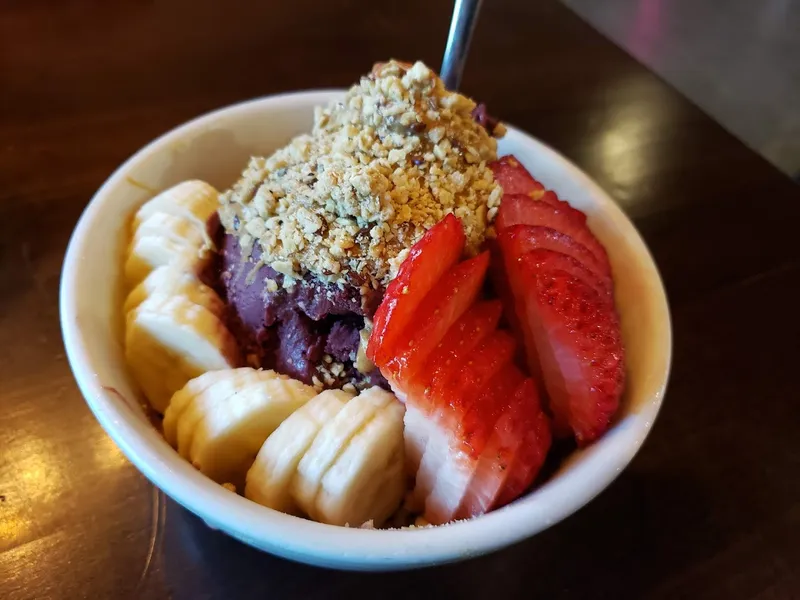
465, 15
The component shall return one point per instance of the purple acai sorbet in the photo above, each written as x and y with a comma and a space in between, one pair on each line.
292, 329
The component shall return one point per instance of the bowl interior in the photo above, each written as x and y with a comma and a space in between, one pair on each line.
216, 148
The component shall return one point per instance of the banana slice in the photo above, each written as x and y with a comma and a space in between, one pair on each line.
367, 481
330, 443
331, 491
172, 281
193, 200
170, 340
269, 479
232, 429
231, 383
165, 240
183, 398
173, 228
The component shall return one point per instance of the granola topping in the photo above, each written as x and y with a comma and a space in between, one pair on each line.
379, 169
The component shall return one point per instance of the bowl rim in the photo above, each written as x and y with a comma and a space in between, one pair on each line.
327, 545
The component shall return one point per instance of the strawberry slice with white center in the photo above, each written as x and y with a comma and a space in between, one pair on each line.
559, 260
573, 335
414, 279
493, 465
465, 419
522, 238
520, 210
459, 343
525, 422
440, 309
515, 179
443, 363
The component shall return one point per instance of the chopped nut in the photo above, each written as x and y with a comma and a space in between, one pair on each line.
390, 160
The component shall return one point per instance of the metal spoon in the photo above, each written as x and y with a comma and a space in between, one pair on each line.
462, 24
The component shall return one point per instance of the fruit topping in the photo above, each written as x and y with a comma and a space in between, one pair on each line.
338, 459
517, 209
172, 281
445, 303
515, 179
170, 340
194, 200
554, 260
461, 339
446, 374
463, 418
228, 421
573, 338
522, 238
442, 245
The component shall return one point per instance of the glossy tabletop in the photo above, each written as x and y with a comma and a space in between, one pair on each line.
710, 508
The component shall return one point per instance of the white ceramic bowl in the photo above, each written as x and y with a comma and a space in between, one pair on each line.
216, 148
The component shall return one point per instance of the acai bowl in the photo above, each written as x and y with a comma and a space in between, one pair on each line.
216, 149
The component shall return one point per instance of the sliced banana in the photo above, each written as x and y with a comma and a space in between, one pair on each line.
269, 479
230, 382
330, 443
232, 427
367, 481
170, 340
172, 281
174, 228
361, 446
208, 382
193, 200
150, 251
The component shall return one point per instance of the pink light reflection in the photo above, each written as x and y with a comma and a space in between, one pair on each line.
646, 28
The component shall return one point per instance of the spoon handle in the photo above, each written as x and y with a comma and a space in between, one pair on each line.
462, 24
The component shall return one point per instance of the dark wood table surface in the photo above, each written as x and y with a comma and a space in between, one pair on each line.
710, 508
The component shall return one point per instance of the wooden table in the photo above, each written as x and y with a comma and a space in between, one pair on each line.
710, 508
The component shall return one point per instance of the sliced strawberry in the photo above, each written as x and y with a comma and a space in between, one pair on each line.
514, 454
559, 261
552, 199
516, 210
526, 420
438, 311
428, 260
522, 238
466, 386
443, 362
515, 179
492, 467
464, 421
577, 343
456, 347
503, 286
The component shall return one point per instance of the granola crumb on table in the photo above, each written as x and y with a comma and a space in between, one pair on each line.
378, 170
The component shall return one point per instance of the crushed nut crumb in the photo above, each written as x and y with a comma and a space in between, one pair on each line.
379, 169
